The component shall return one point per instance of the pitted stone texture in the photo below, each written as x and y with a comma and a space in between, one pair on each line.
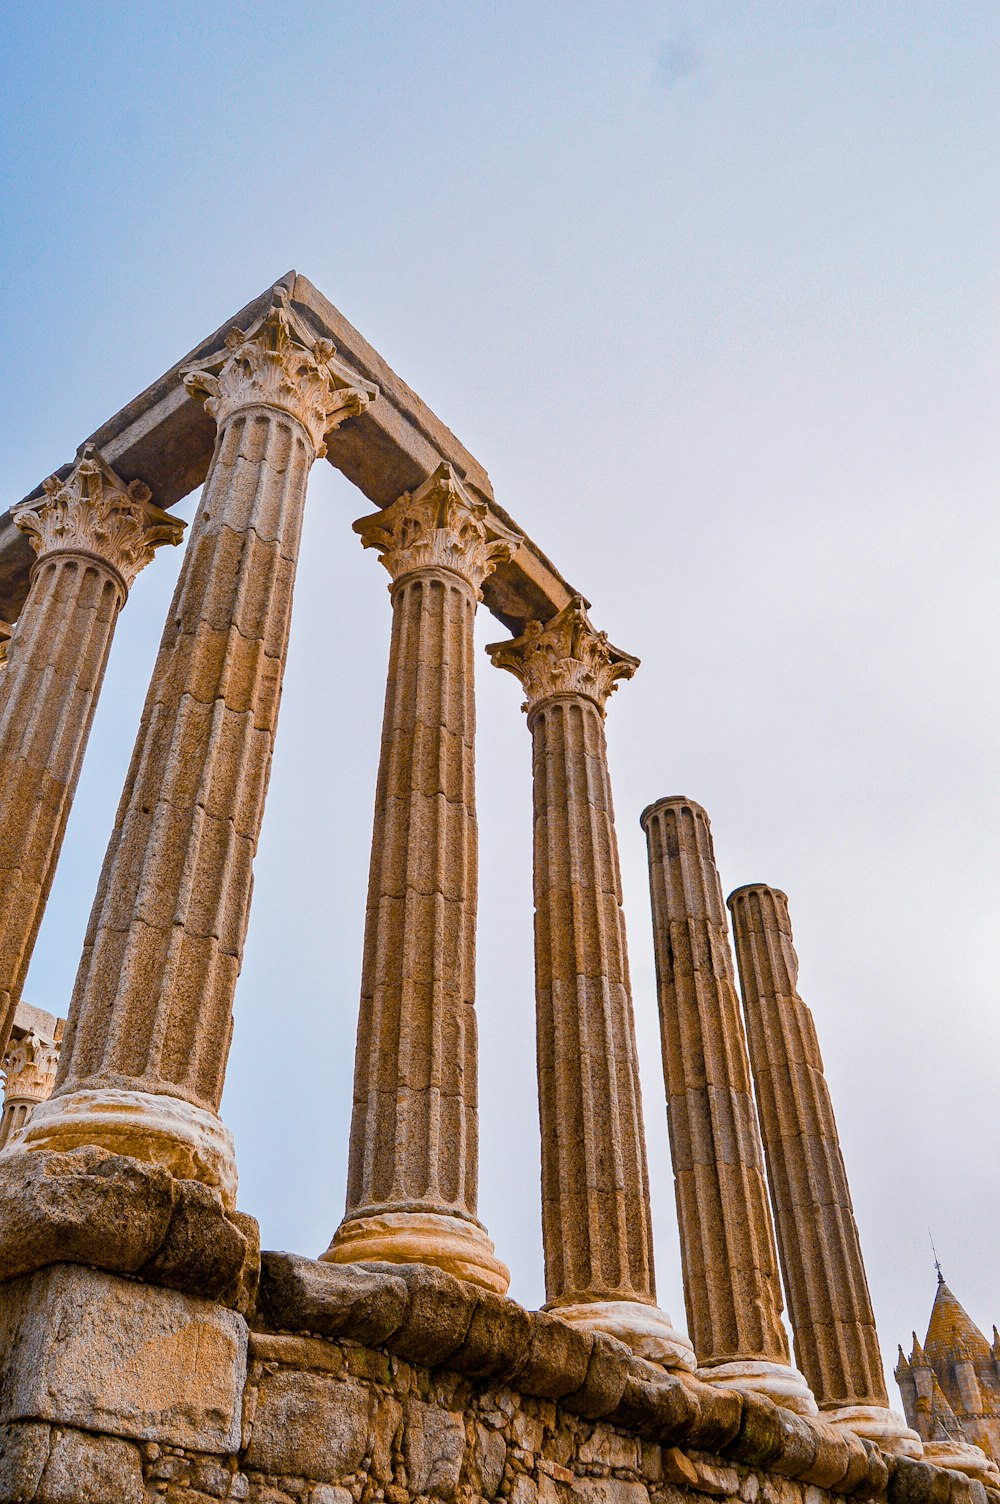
595, 1194
152, 1005
731, 1287
436, 1432
433, 1449
92, 533
309, 1425
57, 1466
124, 1216
85, 1349
836, 1343
413, 1167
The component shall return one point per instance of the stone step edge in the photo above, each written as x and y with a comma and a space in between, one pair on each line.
433, 1320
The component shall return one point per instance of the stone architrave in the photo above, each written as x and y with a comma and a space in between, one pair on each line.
836, 1343
413, 1168
595, 1194
149, 1027
731, 1285
92, 534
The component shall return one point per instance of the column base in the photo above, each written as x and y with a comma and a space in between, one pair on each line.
646, 1329
454, 1244
780, 1382
191, 1142
963, 1457
886, 1428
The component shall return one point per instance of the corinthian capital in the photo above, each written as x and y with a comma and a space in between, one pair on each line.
565, 656
439, 526
29, 1068
277, 363
93, 511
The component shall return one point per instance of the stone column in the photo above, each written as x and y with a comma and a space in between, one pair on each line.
836, 1343
29, 1071
595, 1192
148, 1034
413, 1173
731, 1286
92, 534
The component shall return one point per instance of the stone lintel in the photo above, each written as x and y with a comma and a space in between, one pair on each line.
82, 1348
166, 439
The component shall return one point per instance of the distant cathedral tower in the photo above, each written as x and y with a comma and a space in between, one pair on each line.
951, 1387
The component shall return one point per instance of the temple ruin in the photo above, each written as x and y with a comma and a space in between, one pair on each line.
149, 1349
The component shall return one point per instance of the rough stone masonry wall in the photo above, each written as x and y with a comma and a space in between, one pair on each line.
403, 1385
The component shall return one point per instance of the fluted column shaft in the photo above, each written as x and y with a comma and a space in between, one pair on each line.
836, 1342
732, 1290
92, 533
413, 1168
595, 1188
414, 1142
596, 1225
149, 1027
830, 1307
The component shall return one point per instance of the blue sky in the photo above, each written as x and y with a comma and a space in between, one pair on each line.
711, 290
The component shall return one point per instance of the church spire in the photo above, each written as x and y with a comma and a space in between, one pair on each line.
951, 1331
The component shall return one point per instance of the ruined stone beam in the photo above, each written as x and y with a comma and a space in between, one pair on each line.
164, 438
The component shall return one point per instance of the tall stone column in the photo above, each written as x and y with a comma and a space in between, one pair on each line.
836, 1343
149, 1027
731, 1286
413, 1173
595, 1190
92, 534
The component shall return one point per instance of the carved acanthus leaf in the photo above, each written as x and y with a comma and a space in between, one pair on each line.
277, 363
439, 526
94, 511
29, 1067
565, 656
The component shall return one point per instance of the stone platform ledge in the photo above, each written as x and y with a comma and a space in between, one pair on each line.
432, 1320
107, 1211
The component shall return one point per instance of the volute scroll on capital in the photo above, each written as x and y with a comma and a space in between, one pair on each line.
93, 511
564, 656
439, 526
278, 363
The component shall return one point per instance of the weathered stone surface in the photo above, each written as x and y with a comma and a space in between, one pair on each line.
720, 1414
86, 1206
433, 1447
731, 1286
92, 533
835, 1339
133, 1360
595, 1204
305, 1295
24, 1451
829, 1466
496, 1343
310, 1426
760, 1438
84, 1469
111, 1212
151, 1013
489, 1458
664, 1410
556, 1360
607, 1374
437, 1317
610, 1491
414, 1157
203, 1249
